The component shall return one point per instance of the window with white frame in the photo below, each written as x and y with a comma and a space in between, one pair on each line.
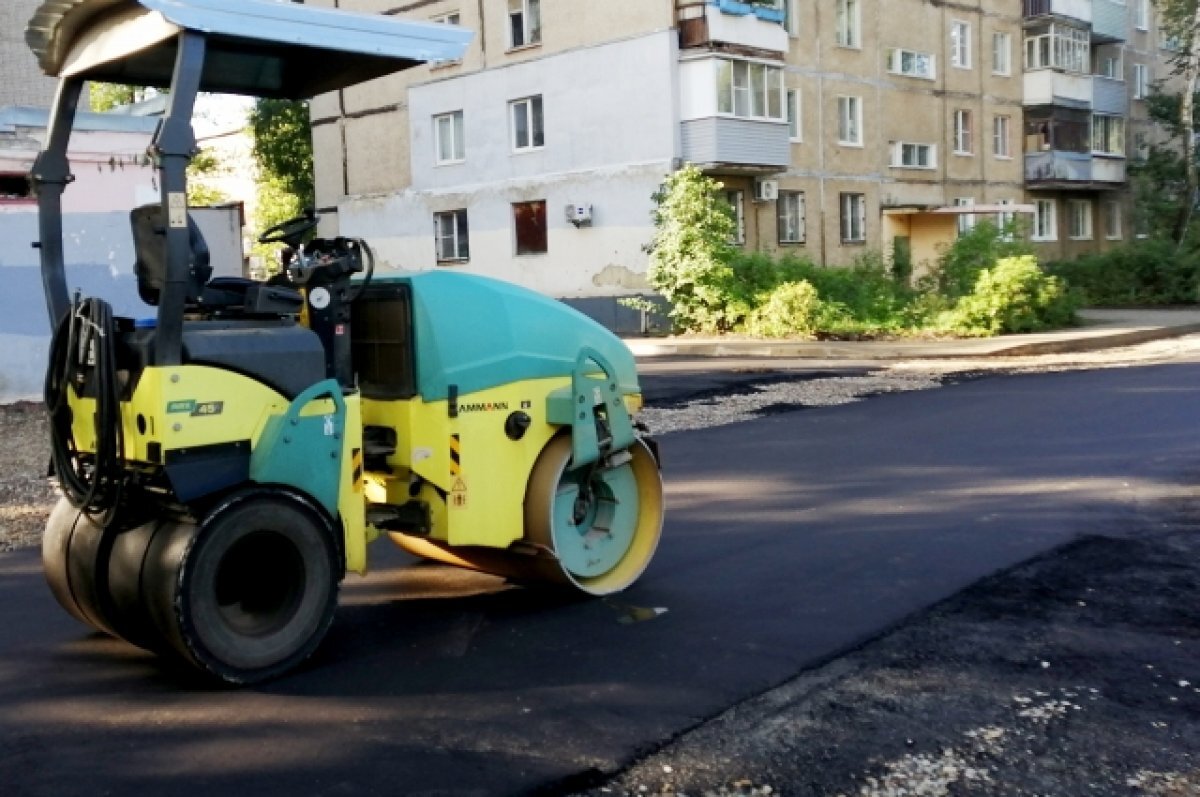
911, 64
850, 121
962, 133
1108, 134
909, 155
1108, 62
449, 146
1112, 220
966, 221
791, 17
1058, 46
737, 201
960, 44
1080, 227
1141, 146
528, 126
1045, 222
450, 235
790, 217
1005, 221
848, 24
449, 18
524, 22
854, 218
1001, 53
1141, 81
749, 89
1141, 14
1001, 126
795, 131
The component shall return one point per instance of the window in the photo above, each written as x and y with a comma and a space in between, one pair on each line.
450, 235
1141, 146
451, 18
1142, 14
529, 223
1081, 219
528, 130
790, 221
966, 221
849, 33
1112, 220
795, 133
854, 218
962, 133
1108, 63
749, 89
1045, 225
737, 201
960, 44
1005, 221
1000, 128
524, 22
1058, 46
1108, 134
913, 156
16, 188
1001, 53
911, 64
448, 138
850, 121
791, 17
1141, 81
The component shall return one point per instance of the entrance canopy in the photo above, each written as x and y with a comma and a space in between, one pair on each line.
261, 48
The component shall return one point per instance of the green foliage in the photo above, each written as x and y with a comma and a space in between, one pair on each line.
1154, 271
283, 146
106, 96
960, 264
792, 309
1011, 297
691, 251
205, 164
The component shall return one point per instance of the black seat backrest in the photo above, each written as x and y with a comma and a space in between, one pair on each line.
150, 248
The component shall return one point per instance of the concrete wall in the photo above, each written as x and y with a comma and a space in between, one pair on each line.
21, 80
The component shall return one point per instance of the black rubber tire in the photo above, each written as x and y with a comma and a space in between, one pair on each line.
249, 593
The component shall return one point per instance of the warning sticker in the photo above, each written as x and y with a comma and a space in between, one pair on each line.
458, 494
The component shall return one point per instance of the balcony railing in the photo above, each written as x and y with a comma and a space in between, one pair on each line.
1110, 21
1057, 166
732, 22
1109, 96
1052, 87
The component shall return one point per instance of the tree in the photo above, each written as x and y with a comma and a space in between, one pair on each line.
107, 96
1181, 22
283, 151
691, 252
205, 164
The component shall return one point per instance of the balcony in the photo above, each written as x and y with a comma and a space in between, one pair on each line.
1109, 96
735, 23
1057, 169
1110, 21
1072, 9
1052, 87
747, 145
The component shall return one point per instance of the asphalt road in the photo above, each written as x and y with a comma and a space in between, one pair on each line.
789, 539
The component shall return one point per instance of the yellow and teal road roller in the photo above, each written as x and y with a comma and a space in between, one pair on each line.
227, 461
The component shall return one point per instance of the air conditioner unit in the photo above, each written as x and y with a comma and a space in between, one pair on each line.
766, 190
579, 215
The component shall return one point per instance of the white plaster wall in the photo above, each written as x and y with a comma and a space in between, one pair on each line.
605, 259
611, 137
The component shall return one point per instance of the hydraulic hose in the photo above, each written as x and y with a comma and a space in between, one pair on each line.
83, 352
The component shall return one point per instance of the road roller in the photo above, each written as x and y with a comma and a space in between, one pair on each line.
226, 460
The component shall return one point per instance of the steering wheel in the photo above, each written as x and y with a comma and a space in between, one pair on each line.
291, 231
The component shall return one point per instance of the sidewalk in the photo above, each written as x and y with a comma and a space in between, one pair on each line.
1101, 329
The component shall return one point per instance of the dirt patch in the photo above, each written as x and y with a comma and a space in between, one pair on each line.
26, 494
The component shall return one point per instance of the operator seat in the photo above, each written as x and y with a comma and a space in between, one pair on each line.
150, 248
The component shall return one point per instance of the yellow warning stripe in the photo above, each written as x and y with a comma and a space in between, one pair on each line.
455, 462
356, 459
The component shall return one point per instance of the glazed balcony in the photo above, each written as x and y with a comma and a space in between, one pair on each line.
751, 25
1072, 170
1070, 9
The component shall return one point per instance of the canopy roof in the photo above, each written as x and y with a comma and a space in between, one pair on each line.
262, 48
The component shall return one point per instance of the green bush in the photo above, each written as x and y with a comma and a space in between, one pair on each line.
1013, 296
1151, 272
792, 309
960, 264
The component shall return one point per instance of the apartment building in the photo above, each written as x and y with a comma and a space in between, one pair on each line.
837, 127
